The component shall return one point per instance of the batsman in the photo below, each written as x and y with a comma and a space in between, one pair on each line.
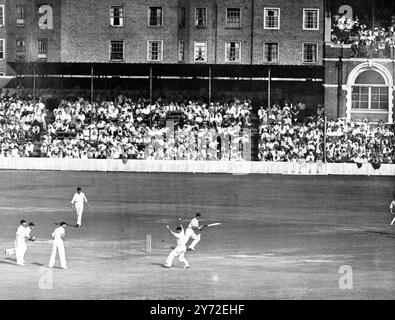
193, 231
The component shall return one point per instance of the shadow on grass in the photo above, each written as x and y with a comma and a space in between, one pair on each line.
382, 233
7, 262
38, 264
10, 259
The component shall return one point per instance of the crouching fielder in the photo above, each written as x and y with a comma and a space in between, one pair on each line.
180, 249
58, 245
78, 203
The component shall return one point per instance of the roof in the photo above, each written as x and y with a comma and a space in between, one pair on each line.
180, 70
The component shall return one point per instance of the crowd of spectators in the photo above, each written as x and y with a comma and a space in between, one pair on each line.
137, 130
288, 134
365, 42
21, 124
288, 139
189, 130
360, 142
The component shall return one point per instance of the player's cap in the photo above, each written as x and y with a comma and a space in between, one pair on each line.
63, 223
198, 214
22, 221
178, 228
31, 224
78, 188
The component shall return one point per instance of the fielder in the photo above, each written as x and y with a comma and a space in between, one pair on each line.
78, 203
190, 232
20, 244
22, 233
180, 249
58, 245
392, 208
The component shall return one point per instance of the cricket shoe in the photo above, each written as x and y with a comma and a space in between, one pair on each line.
186, 267
167, 265
192, 249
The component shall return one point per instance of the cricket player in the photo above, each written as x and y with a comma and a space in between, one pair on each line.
180, 249
191, 231
58, 236
28, 230
20, 244
392, 209
78, 203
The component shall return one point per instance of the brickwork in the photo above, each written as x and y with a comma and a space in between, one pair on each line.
82, 30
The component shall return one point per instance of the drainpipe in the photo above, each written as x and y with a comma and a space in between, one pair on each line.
215, 31
252, 32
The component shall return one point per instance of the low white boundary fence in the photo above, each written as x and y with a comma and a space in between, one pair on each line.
233, 167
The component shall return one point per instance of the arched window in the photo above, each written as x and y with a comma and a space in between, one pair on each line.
370, 92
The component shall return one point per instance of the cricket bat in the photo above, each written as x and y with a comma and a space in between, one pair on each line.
211, 225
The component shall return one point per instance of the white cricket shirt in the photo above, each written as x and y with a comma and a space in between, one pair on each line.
181, 239
79, 198
20, 233
194, 223
58, 233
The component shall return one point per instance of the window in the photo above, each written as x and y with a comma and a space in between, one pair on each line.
155, 52
370, 92
181, 17
116, 50
232, 51
42, 48
271, 52
200, 17
233, 18
272, 18
310, 19
117, 16
181, 50
2, 15
2, 49
20, 47
20, 15
200, 52
155, 16
310, 52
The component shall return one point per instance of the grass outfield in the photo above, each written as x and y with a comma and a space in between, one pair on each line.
282, 237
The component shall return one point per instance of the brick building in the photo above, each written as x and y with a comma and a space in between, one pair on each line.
359, 77
171, 31
271, 33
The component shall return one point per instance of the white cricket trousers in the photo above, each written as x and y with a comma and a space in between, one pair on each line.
180, 252
79, 207
189, 233
20, 250
58, 246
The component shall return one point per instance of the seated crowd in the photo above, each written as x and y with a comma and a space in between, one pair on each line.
288, 139
365, 42
137, 130
21, 124
190, 130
